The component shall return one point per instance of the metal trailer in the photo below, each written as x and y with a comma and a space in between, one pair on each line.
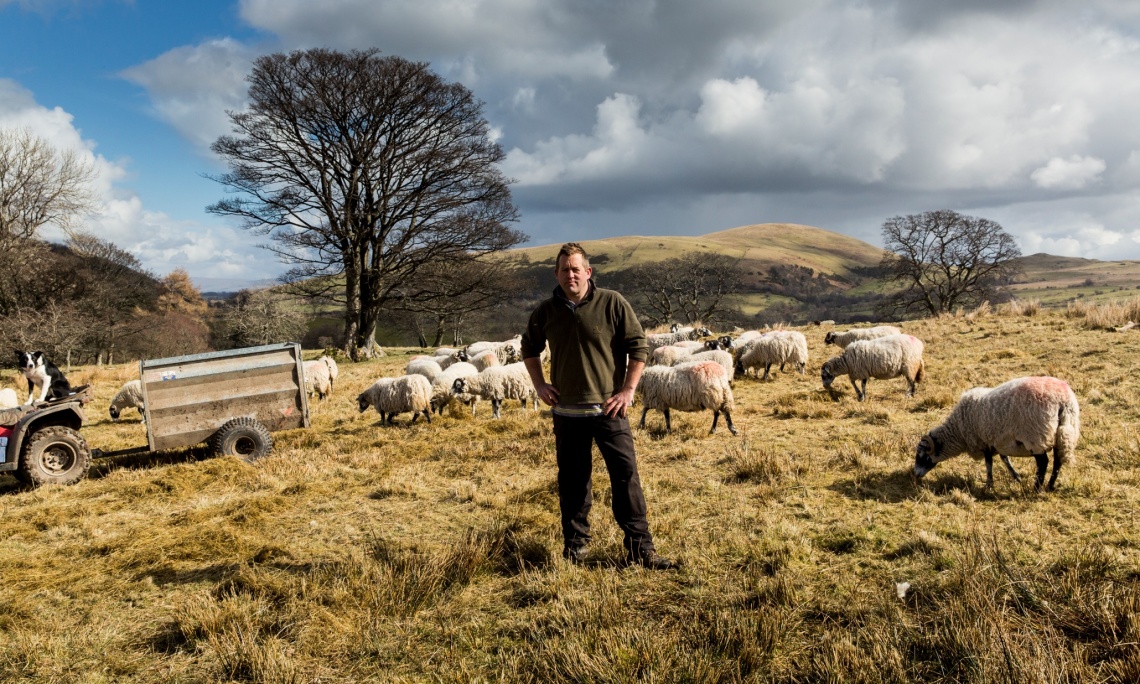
232, 399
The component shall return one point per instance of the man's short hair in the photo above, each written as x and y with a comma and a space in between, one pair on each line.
569, 249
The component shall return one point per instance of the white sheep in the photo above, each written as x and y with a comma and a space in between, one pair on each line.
1022, 417
702, 386
669, 355
855, 334
446, 360
499, 383
318, 378
716, 355
508, 351
8, 398
443, 387
391, 396
128, 396
776, 347
485, 359
883, 358
656, 340
425, 366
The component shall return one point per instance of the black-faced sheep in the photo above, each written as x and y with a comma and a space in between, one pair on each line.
680, 335
128, 396
443, 387
391, 396
1023, 417
843, 339
776, 347
883, 358
702, 386
499, 383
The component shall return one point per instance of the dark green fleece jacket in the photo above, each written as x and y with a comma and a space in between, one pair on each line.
589, 343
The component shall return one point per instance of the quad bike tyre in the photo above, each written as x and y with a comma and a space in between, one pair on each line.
242, 437
55, 455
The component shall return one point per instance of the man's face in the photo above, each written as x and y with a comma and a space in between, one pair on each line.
574, 276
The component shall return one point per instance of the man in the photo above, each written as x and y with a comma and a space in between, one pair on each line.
591, 331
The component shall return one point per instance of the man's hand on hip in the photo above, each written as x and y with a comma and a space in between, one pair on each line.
616, 405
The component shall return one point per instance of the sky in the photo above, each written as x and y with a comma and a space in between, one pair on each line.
639, 117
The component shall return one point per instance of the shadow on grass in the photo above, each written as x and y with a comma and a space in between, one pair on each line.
888, 487
105, 465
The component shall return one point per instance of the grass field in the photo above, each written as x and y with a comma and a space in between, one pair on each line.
360, 553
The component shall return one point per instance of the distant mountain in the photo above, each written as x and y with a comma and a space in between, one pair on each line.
227, 285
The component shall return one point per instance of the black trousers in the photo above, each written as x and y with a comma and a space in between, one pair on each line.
574, 439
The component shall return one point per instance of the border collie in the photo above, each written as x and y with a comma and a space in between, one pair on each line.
42, 375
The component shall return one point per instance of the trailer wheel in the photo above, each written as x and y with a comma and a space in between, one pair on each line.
242, 437
55, 455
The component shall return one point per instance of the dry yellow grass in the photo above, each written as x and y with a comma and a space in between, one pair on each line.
359, 553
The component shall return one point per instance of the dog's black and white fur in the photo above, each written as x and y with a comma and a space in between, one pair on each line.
42, 375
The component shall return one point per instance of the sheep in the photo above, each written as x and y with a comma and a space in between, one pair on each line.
717, 355
485, 360
446, 360
669, 355
442, 388
845, 338
425, 366
883, 358
1022, 417
318, 378
680, 335
390, 396
8, 398
508, 351
746, 336
694, 345
128, 396
687, 387
778, 346
723, 342
334, 370
498, 383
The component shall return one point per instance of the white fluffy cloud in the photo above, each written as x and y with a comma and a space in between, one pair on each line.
1073, 173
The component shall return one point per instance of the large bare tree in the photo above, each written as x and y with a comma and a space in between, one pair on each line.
363, 170
695, 286
40, 185
943, 260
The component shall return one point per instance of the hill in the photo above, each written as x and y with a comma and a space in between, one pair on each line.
1056, 280
758, 247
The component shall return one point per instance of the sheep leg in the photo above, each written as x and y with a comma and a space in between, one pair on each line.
716, 416
803, 366
910, 392
782, 366
728, 421
496, 404
644, 411
989, 457
1009, 466
767, 370
1056, 469
1042, 466
415, 417
427, 415
668, 426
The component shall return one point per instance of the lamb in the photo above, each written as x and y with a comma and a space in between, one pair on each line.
391, 396
855, 334
128, 396
883, 358
485, 360
1022, 417
8, 398
499, 383
318, 378
680, 335
442, 388
687, 387
425, 366
778, 346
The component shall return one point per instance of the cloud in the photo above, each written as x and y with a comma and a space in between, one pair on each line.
1068, 174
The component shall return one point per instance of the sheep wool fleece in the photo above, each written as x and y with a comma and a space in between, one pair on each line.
589, 344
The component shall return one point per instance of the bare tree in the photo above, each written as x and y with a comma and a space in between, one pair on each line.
255, 317
696, 286
943, 260
363, 170
40, 185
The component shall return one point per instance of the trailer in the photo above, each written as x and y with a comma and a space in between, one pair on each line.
232, 400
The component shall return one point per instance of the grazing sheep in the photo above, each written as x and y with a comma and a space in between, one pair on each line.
669, 355
855, 334
680, 335
499, 383
128, 396
425, 366
334, 370
778, 346
442, 388
318, 379
1023, 417
8, 398
688, 387
747, 336
486, 359
391, 396
716, 355
883, 358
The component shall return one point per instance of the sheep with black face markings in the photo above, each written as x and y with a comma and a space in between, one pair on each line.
1022, 417
391, 396
443, 387
776, 347
128, 396
656, 340
883, 358
843, 339
499, 383
702, 386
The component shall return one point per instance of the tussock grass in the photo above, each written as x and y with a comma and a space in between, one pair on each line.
359, 553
